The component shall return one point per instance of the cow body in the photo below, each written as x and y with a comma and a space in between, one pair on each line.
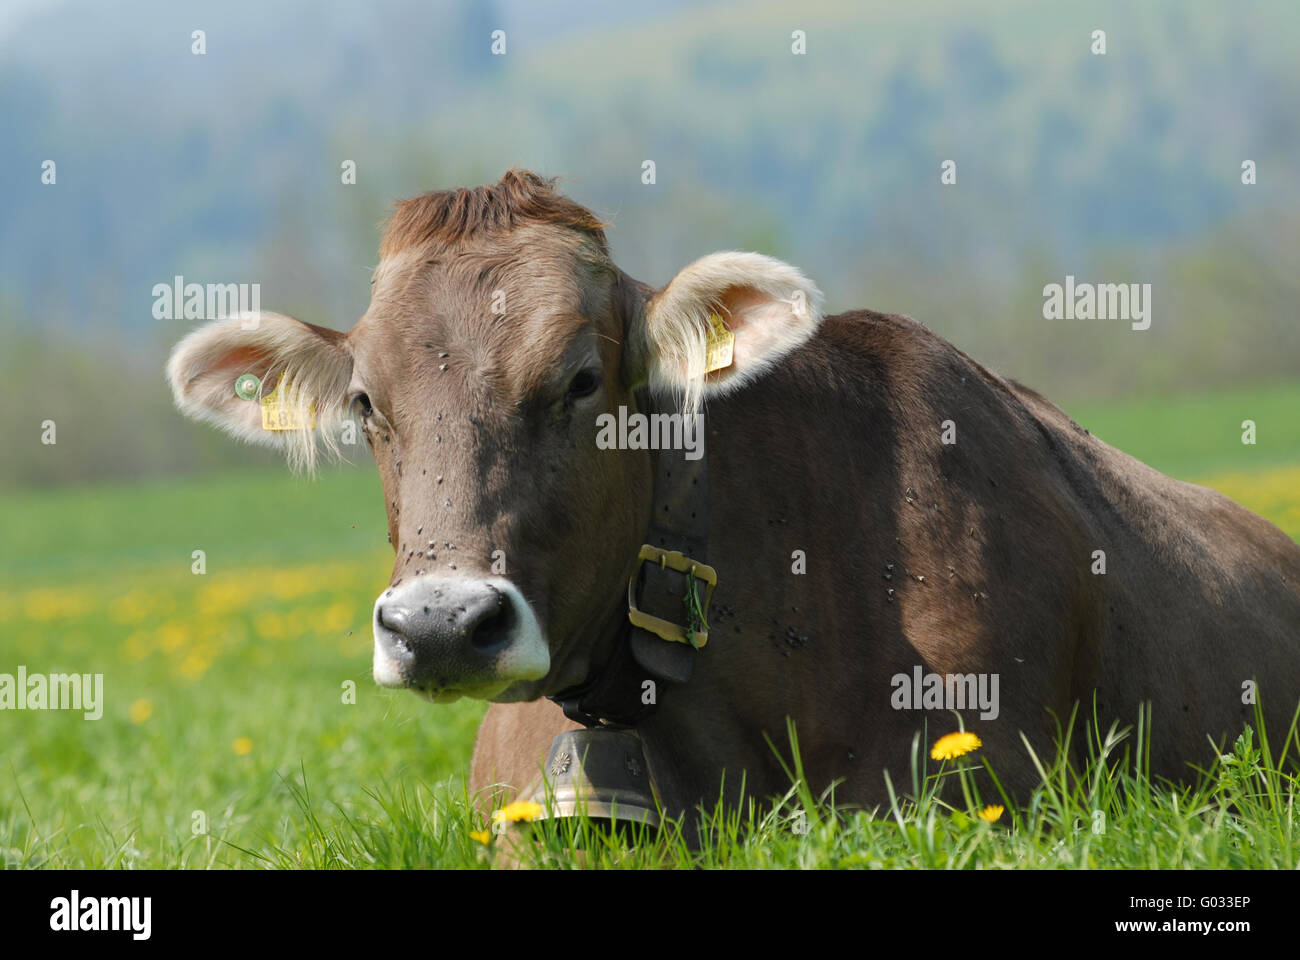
988, 545
881, 507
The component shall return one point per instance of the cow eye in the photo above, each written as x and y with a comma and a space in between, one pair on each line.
584, 384
363, 403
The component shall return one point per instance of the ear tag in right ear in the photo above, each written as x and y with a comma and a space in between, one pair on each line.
719, 345
247, 387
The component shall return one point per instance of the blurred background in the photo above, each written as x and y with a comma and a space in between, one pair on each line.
226, 168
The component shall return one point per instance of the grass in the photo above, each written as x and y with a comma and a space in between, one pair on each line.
1242, 815
1200, 437
241, 728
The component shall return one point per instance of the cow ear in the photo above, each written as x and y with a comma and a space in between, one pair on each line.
756, 307
212, 373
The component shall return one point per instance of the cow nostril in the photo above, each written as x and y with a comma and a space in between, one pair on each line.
495, 629
396, 622
392, 618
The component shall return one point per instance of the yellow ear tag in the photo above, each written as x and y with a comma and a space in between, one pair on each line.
277, 414
719, 345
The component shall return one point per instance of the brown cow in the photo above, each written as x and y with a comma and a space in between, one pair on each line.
880, 509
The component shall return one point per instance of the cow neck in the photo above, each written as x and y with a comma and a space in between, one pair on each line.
615, 693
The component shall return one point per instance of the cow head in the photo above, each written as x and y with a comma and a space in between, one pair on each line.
498, 330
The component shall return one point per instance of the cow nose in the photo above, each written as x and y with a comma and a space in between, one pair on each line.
452, 635
477, 617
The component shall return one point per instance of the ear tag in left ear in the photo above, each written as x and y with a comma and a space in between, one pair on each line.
248, 387
719, 346
277, 414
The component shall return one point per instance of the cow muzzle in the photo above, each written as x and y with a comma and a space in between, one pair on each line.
449, 638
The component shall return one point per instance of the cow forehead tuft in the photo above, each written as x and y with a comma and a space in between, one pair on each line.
520, 197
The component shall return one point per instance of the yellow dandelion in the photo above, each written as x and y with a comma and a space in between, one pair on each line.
482, 836
131, 608
334, 618
991, 813
271, 625
519, 810
140, 711
49, 604
242, 746
954, 745
173, 635
194, 666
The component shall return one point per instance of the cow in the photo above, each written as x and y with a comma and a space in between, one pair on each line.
881, 510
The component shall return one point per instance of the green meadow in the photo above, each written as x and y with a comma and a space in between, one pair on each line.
240, 726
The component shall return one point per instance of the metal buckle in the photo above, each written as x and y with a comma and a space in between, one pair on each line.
671, 560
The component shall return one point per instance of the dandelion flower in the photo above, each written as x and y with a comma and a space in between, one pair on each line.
954, 745
991, 812
482, 836
519, 810
141, 710
242, 746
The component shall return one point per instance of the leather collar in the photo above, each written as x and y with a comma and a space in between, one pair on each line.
632, 681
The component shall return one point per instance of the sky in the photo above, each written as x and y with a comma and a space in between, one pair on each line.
13, 11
